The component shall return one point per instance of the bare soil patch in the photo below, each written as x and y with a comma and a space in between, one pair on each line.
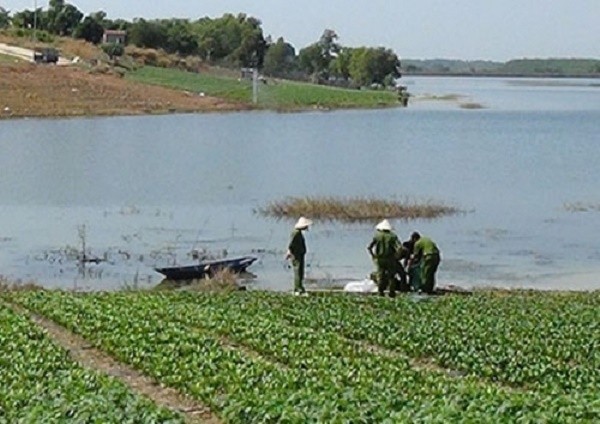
83, 352
28, 90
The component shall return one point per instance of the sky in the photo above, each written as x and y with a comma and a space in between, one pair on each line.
497, 30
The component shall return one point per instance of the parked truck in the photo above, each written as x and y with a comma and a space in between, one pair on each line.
45, 55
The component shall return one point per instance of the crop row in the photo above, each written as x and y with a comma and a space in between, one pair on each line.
39, 383
241, 388
283, 368
544, 342
260, 320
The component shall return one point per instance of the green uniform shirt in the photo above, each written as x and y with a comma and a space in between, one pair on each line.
297, 245
425, 246
386, 245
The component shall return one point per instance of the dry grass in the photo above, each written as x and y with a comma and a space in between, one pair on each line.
7, 285
223, 281
71, 48
355, 209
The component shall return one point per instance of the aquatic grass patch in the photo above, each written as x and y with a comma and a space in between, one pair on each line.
471, 105
356, 209
582, 207
442, 97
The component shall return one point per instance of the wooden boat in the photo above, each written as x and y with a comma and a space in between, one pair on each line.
206, 268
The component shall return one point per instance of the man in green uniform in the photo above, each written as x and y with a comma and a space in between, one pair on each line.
296, 252
427, 253
384, 250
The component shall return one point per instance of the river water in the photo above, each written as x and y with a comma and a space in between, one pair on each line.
147, 191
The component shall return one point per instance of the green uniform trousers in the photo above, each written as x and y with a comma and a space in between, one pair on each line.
386, 271
298, 264
429, 267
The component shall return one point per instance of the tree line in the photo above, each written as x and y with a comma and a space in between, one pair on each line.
230, 40
571, 67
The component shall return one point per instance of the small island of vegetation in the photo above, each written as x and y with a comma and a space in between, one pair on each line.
356, 209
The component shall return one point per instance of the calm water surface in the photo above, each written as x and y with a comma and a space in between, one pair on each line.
146, 191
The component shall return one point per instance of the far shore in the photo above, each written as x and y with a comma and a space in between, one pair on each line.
499, 75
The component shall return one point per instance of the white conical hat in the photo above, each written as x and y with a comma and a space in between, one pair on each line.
384, 226
302, 223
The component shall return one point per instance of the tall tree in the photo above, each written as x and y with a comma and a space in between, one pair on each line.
329, 47
316, 58
370, 65
340, 65
280, 59
91, 28
63, 18
252, 48
26, 19
234, 40
149, 34
180, 37
4, 17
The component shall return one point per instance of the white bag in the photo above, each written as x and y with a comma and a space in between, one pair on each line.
364, 286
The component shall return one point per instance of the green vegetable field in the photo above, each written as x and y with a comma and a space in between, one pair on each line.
39, 384
268, 357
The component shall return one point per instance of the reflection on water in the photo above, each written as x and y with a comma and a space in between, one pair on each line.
162, 191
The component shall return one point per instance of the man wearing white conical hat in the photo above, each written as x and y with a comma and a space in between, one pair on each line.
296, 252
384, 249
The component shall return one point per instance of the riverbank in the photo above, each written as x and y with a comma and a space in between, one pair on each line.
29, 90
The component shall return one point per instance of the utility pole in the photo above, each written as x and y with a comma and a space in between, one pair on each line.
254, 85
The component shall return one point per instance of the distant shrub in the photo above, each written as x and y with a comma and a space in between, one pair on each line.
113, 49
40, 35
164, 62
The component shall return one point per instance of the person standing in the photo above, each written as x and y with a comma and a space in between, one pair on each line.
296, 252
427, 253
384, 250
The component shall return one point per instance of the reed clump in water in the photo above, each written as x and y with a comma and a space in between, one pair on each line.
471, 105
582, 207
356, 209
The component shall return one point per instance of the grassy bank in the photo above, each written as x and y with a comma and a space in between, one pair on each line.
272, 94
355, 209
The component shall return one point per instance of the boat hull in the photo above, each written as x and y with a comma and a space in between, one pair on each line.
207, 268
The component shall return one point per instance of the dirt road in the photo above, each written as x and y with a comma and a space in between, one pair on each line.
26, 54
